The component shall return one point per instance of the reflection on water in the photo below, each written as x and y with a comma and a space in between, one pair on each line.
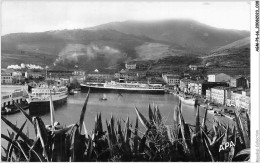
120, 106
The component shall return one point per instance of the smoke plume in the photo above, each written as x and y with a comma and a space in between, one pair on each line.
73, 53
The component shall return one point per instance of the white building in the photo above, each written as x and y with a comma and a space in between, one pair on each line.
193, 67
6, 78
130, 66
171, 79
218, 77
218, 95
12, 93
241, 99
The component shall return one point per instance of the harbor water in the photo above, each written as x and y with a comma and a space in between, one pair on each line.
120, 106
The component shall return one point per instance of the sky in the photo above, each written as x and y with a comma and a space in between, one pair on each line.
39, 16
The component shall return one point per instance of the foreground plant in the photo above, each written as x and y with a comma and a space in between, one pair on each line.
124, 141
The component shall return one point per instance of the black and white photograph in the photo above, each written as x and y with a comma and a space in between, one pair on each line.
129, 81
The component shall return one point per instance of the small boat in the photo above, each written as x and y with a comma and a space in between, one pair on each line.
188, 100
104, 98
204, 106
71, 92
77, 90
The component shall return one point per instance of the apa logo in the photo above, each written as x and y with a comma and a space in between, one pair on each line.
226, 145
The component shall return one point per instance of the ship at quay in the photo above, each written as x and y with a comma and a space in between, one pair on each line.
123, 87
39, 99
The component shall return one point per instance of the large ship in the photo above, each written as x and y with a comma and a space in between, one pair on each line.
123, 87
39, 99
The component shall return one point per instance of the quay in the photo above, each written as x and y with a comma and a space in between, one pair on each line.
11, 94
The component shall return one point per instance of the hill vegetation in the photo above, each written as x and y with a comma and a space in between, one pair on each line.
109, 45
185, 33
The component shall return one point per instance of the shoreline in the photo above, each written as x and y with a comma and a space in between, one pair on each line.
209, 111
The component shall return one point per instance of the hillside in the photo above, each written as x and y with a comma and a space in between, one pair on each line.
186, 33
69, 47
232, 59
114, 43
243, 43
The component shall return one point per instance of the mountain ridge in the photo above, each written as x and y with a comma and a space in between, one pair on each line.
100, 46
188, 33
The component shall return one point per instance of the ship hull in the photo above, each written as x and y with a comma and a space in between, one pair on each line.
94, 89
41, 107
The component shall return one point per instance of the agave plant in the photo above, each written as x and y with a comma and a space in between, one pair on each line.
182, 143
123, 141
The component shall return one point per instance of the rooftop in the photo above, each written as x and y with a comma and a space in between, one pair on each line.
198, 81
238, 77
129, 63
217, 73
221, 87
186, 80
11, 88
173, 77
5, 93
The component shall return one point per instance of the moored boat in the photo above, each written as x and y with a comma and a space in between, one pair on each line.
104, 98
71, 92
188, 100
39, 99
123, 87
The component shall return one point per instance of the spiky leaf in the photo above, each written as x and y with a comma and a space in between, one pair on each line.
142, 119
83, 111
22, 135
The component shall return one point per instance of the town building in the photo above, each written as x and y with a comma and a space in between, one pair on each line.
130, 66
62, 82
34, 74
17, 74
199, 87
80, 79
218, 95
79, 76
193, 67
171, 88
59, 73
97, 76
130, 75
229, 91
154, 80
121, 75
6, 78
78, 73
12, 93
208, 94
195, 87
184, 85
186, 75
219, 77
140, 74
6, 99
171, 79
241, 99
238, 82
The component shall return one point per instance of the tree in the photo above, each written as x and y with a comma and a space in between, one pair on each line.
74, 83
